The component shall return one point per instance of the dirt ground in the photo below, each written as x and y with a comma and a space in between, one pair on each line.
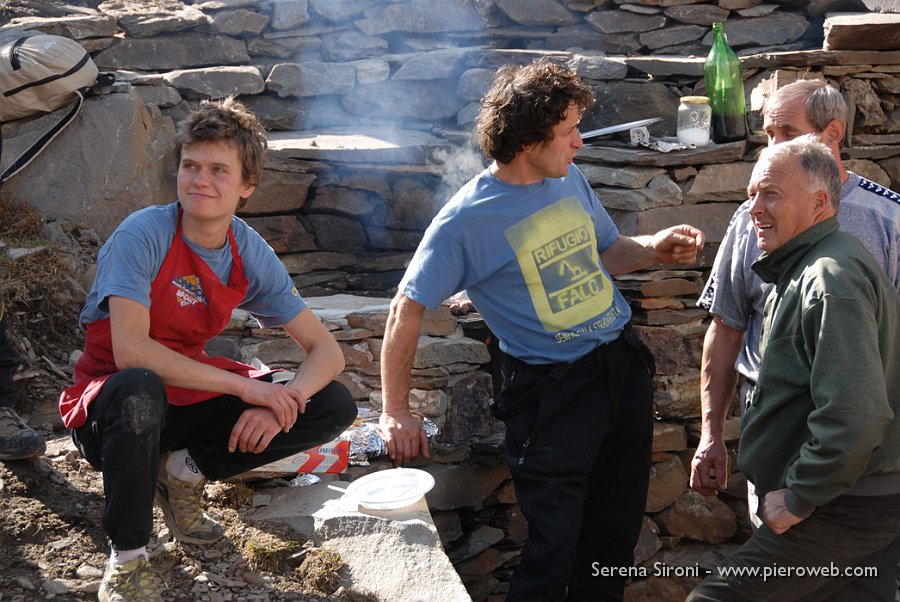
52, 545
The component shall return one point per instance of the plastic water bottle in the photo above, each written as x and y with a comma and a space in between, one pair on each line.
725, 89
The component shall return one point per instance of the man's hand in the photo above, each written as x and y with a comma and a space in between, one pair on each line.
284, 402
776, 514
404, 436
709, 468
459, 304
678, 244
254, 430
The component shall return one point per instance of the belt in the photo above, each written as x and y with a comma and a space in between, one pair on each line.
555, 372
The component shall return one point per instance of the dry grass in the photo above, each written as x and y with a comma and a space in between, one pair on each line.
32, 283
352, 595
16, 222
235, 495
321, 571
268, 552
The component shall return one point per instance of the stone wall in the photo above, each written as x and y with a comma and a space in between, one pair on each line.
370, 103
408, 75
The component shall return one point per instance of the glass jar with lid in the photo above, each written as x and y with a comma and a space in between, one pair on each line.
694, 117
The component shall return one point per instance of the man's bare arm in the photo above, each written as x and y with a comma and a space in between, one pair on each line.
402, 431
718, 379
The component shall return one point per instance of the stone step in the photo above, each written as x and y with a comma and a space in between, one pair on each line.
376, 145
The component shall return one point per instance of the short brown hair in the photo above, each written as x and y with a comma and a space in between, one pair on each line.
230, 121
523, 105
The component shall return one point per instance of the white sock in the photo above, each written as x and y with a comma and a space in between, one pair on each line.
182, 466
118, 557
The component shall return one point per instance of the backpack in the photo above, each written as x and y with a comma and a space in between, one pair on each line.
39, 74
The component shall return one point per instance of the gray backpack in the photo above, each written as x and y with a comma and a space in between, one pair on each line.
40, 74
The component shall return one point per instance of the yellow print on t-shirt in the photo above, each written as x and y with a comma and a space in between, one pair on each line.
557, 252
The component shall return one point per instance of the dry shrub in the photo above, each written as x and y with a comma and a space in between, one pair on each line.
36, 287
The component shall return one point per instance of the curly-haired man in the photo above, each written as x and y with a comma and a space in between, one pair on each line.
529, 241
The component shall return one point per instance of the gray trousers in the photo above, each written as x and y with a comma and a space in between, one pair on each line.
854, 541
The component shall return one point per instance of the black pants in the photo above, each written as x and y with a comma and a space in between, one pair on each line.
130, 424
9, 362
580, 459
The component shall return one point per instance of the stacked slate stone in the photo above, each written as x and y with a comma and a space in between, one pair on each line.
371, 102
347, 209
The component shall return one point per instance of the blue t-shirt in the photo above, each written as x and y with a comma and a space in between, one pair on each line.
529, 259
132, 256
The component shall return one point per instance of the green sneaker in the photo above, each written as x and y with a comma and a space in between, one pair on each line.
180, 503
18, 441
130, 582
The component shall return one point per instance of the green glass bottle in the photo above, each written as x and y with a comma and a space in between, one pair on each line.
725, 88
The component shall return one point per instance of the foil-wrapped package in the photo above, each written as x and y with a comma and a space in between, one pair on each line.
430, 428
367, 442
663, 145
304, 480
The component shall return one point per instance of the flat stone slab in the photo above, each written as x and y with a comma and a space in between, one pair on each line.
713, 153
871, 31
390, 553
662, 66
358, 146
820, 58
335, 308
878, 53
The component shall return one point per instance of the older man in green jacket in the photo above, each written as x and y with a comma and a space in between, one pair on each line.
820, 439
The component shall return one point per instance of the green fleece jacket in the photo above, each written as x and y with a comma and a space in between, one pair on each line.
822, 417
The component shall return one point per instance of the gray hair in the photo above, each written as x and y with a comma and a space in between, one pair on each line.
817, 162
824, 104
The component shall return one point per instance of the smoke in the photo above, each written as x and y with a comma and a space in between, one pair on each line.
459, 164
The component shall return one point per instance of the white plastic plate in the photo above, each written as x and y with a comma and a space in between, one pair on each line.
390, 489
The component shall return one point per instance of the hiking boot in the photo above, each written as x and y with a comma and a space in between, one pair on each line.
18, 441
130, 582
180, 503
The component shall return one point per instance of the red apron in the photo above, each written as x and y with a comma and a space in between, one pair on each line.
188, 307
